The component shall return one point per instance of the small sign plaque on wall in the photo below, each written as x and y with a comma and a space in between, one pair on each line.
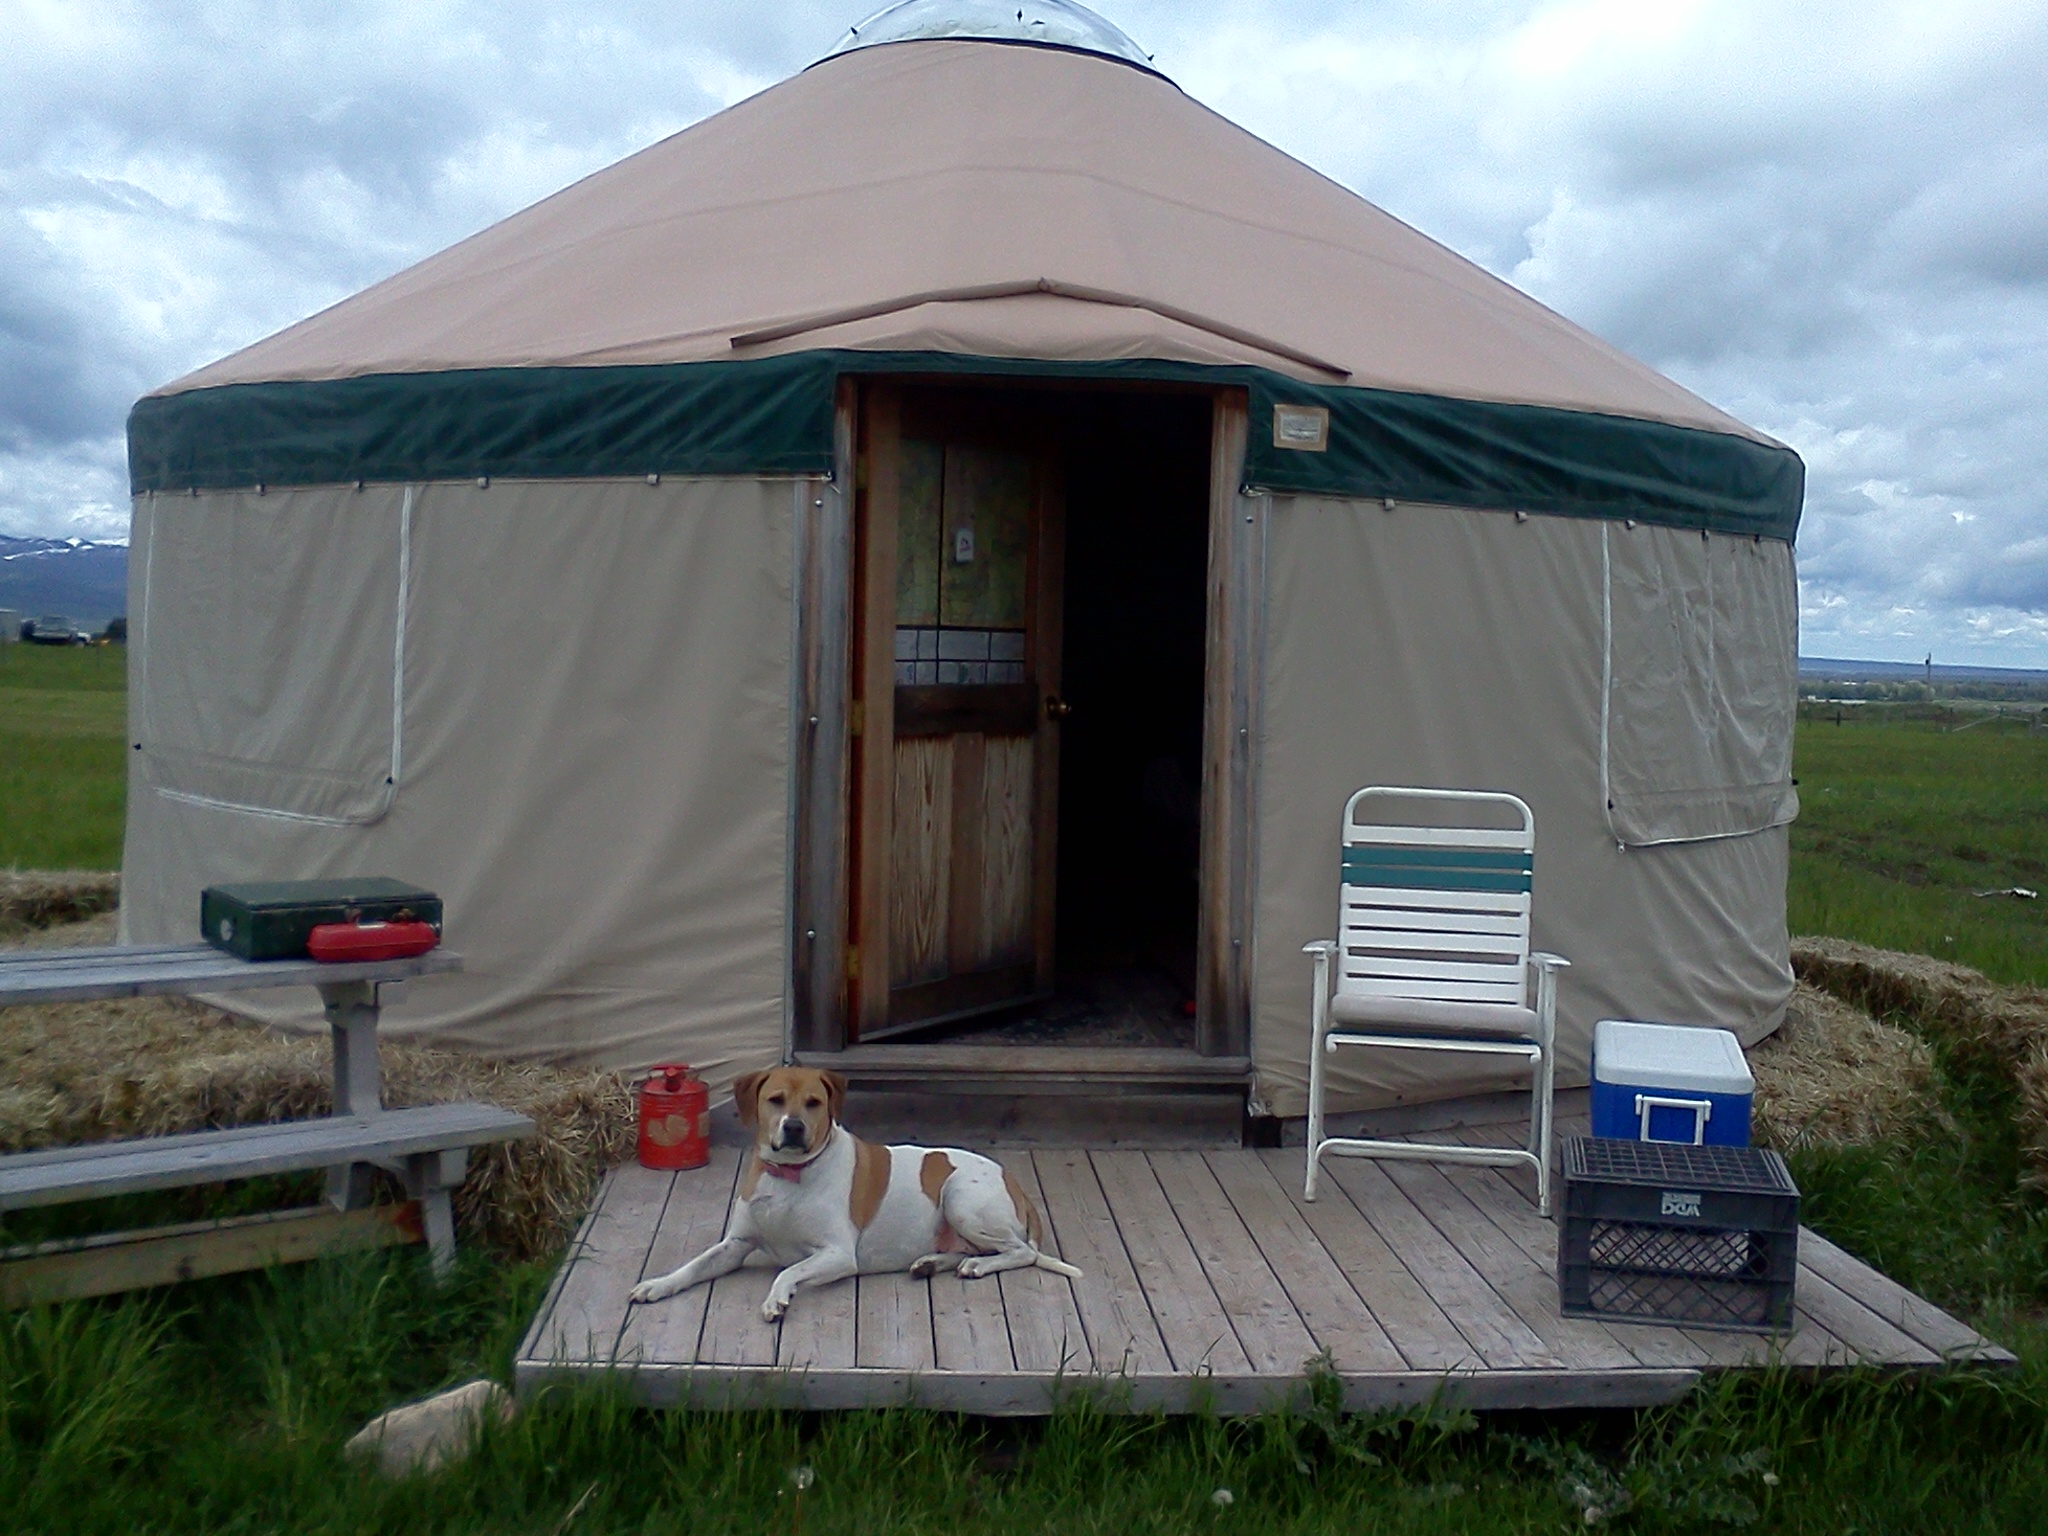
1304, 428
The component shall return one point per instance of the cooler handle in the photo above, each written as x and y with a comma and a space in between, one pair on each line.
1702, 1112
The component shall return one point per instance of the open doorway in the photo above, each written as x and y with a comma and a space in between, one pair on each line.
1133, 475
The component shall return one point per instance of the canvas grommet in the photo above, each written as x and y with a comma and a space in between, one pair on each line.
1628, 522
483, 482
1521, 517
654, 479
359, 485
1387, 503
259, 487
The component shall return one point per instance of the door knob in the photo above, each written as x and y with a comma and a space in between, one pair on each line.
1057, 708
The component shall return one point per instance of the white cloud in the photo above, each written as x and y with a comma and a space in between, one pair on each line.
1827, 218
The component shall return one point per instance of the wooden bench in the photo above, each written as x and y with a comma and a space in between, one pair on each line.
426, 1147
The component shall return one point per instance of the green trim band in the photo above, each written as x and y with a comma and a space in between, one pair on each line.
774, 416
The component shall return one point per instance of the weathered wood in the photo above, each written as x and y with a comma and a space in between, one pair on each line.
966, 942
875, 686
823, 757
919, 860
99, 1169
1045, 1323
1046, 581
1271, 1332
1123, 1337
894, 1324
1008, 894
83, 975
1059, 1063
1862, 1330
1207, 1283
1400, 1302
1503, 1340
1191, 1320
699, 1203
125, 1261
1529, 1291
1335, 1313
1919, 1319
602, 1266
818, 1334
1234, 593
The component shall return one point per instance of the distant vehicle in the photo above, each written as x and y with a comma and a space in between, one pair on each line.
55, 629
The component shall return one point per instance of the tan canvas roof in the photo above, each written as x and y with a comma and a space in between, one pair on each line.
979, 198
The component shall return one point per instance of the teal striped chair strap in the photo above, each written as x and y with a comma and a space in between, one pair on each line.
1408, 866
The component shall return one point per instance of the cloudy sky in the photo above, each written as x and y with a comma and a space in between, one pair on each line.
1830, 219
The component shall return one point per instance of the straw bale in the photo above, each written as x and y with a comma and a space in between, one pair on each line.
31, 899
1974, 1016
1833, 1076
78, 1072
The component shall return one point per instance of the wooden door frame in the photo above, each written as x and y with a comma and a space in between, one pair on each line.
834, 639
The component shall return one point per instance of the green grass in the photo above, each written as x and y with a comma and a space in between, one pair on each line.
1901, 822
63, 756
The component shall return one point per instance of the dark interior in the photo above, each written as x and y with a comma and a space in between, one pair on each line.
1137, 513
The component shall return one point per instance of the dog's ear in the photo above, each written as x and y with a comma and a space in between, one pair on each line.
746, 1097
835, 1092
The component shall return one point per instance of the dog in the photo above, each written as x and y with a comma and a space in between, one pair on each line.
824, 1204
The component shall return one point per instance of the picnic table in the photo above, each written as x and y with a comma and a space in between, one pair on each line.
426, 1147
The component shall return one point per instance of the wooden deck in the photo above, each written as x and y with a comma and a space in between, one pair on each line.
1209, 1282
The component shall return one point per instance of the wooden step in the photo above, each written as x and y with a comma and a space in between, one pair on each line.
1044, 1069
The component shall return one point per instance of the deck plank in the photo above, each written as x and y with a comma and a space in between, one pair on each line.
1529, 1291
1920, 1319
1270, 1331
893, 1323
1192, 1322
1535, 1238
1123, 1337
1503, 1340
590, 1308
820, 1331
1336, 1315
970, 1334
734, 1333
1045, 1323
698, 1204
1874, 1339
1424, 1334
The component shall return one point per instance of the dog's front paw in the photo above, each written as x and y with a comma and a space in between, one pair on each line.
974, 1268
774, 1308
653, 1290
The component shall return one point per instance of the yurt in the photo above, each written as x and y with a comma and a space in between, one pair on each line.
905, 574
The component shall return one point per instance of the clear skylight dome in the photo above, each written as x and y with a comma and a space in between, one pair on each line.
1055, 23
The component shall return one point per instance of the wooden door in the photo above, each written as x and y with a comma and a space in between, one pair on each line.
958, 708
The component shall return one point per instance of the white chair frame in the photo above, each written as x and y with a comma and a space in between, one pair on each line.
1436, 958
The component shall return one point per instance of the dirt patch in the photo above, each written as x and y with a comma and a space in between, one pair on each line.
33, 899
1834, 1076
80, 1072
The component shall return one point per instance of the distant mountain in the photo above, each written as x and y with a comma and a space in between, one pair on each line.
86, 582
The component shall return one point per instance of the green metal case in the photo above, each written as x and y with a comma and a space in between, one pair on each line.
272, 920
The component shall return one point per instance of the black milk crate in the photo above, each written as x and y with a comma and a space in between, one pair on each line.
1656, 1232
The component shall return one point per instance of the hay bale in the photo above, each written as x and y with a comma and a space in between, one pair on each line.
79, 1072
1833, 1076
32, 899
1974, 1016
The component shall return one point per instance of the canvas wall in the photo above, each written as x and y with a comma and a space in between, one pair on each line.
579, 736
1636, 685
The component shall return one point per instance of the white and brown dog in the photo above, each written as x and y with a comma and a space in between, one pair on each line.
824, 1204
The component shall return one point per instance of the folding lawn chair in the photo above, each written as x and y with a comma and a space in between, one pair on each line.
1432, 954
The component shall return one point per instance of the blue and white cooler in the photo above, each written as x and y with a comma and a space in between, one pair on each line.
1670, 1082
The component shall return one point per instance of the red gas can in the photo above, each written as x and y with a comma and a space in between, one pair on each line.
674, 1114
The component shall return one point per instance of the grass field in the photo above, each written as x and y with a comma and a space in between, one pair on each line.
63, 750
1903, 821
222, 1405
